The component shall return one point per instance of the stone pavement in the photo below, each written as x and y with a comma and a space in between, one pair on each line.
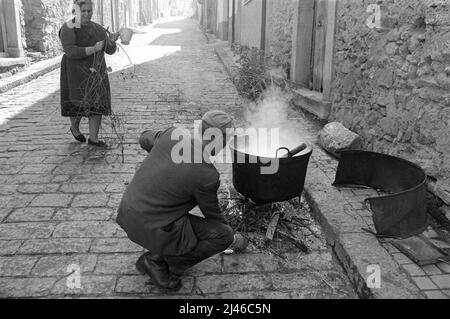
58, 198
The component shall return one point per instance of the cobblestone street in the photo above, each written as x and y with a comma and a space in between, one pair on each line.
58, 198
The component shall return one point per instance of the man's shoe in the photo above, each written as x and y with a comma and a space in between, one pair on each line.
176, 271
158, 270
80, 137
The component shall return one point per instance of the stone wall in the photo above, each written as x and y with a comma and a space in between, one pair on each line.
392, 82
22, 24
279, 30
43, 19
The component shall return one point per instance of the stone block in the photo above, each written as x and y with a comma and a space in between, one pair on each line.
443, 190
323, 293
52, 200
9, 247
435, 294
15, 201
317, 260
83, 214
59, 265
124, 264
209, 266
442, 281
26, 230
250, 263
402, 259
82, 188
143, 285
232, 283
300, 281
114, 201
134, 284
431, 270
385, 78
4, 212
31, 214
424, 283
92, 229
37, 188
335, 137
25, 287
444, 267
16, 266
38, 169
414, 270
256, 295
55, 246
90, 285
91, 200
114, 245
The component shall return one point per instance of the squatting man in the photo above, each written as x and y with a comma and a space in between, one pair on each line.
155, 208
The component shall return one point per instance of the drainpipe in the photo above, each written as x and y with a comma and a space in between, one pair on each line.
13, 28
113, 27
3, 30
263, 25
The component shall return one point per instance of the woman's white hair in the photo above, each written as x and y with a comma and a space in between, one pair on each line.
81, 2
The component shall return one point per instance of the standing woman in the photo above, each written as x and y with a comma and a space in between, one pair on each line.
85, 90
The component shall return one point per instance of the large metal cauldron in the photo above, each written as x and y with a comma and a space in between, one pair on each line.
287, 183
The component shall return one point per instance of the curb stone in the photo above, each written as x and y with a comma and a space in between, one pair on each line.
355, 249
32, 72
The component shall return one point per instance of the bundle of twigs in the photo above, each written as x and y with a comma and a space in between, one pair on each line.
95, 93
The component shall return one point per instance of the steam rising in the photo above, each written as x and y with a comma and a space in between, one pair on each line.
271, 112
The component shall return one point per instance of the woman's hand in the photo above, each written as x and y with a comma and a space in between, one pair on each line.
99, 46
114, 36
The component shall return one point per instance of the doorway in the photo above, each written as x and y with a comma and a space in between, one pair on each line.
3, 39
313, 43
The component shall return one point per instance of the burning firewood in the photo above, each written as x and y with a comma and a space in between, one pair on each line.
295, 241
278, 225
272, 226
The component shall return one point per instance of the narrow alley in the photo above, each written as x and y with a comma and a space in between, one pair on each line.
59, 198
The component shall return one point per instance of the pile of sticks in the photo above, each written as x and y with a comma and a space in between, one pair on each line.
277, 220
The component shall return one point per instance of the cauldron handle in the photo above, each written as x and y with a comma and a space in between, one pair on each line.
282, 148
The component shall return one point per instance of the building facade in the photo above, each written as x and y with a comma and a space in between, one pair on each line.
33, 25
381, 67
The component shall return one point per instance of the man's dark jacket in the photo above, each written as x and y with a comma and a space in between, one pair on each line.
154, 209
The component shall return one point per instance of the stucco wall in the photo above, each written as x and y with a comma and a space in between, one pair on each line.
43, 19
279, 30
392, 84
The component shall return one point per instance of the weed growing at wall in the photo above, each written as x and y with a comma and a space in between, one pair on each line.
251, 79
257, 72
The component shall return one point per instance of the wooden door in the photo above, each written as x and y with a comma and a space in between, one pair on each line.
3, 39
312, 47
319, 42
302, 44
231, 20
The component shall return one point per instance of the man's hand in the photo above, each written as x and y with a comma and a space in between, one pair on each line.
238, 246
